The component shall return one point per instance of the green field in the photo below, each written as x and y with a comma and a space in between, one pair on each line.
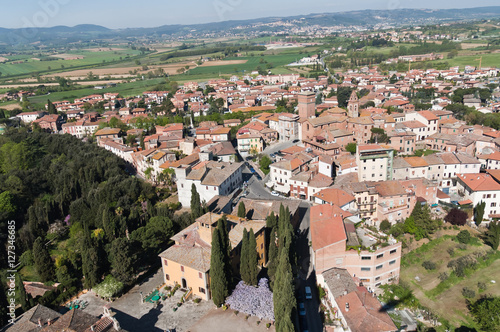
489, 60
30, 66
125, 90
278, 62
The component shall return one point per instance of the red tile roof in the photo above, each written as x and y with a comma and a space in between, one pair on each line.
479, 182
327, 226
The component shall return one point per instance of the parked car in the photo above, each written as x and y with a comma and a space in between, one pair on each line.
272, 155
302, 309
303, 324
295, 141
274, 193
308, 293
252, 170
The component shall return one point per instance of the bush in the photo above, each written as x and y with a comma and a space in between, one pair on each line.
443, 276
481, 286
451, 251
197, 300
428, 265
109, 287
385, 225
268, 325
468, 293
456, 217
464, 237
462, 246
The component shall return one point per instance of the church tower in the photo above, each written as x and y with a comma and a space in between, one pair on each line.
353, 105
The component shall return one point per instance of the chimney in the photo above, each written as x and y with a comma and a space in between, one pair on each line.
39, 322
347, 306
49, 322
338, 275
92, 328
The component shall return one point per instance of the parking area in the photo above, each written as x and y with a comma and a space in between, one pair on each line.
226, 321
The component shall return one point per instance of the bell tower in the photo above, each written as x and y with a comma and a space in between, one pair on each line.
353, 105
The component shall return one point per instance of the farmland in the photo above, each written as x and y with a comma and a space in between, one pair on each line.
29, 64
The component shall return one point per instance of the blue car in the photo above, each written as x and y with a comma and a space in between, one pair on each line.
252, 170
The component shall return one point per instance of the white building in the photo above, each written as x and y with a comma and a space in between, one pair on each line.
211, 179
479, 188
374, 162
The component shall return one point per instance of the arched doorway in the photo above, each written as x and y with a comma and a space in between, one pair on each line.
184, 283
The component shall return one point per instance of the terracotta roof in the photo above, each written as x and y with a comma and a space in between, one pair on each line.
339, 281
428, 115
108, 131
365, 312
390, 188
416, 161
195, 257
335, 196
327, 226
479, 182
259, 209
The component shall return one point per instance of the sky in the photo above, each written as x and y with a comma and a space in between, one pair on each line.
152, 13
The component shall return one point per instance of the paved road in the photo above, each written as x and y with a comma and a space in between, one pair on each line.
279, 146
307, 276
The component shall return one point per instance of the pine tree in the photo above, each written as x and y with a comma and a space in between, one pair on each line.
242, 212
253, 259
21, 294
196, 208
218, 281
244, 269
43, 263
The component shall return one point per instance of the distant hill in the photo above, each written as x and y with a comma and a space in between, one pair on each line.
362, 18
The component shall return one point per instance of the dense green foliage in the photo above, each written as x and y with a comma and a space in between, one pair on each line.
253, 259
74, 207
244, 267
486, 312
493, 235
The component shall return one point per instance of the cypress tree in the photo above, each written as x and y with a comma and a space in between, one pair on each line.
283, 296
273, 255
270, 224
253, 259
218, 280
21, 295
242, 212
196, 209
4, 318
244, 271
51, 108
43, 262
226, 248
271, 221
90, 259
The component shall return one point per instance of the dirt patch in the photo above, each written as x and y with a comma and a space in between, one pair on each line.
2, 59
466, 46
223, 63
10, 107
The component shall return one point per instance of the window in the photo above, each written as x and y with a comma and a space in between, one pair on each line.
182, 268
202, 290
262, 246
378, 284
392, 262
366, 258
380, 256
493, 204
200, 275
364, 280
379, 266
167, 277
377, 278
365, 269
165, 262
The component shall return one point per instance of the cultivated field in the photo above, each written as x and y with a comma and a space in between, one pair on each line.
223, 63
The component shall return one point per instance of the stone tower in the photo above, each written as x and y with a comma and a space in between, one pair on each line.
307, 104
353, 105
